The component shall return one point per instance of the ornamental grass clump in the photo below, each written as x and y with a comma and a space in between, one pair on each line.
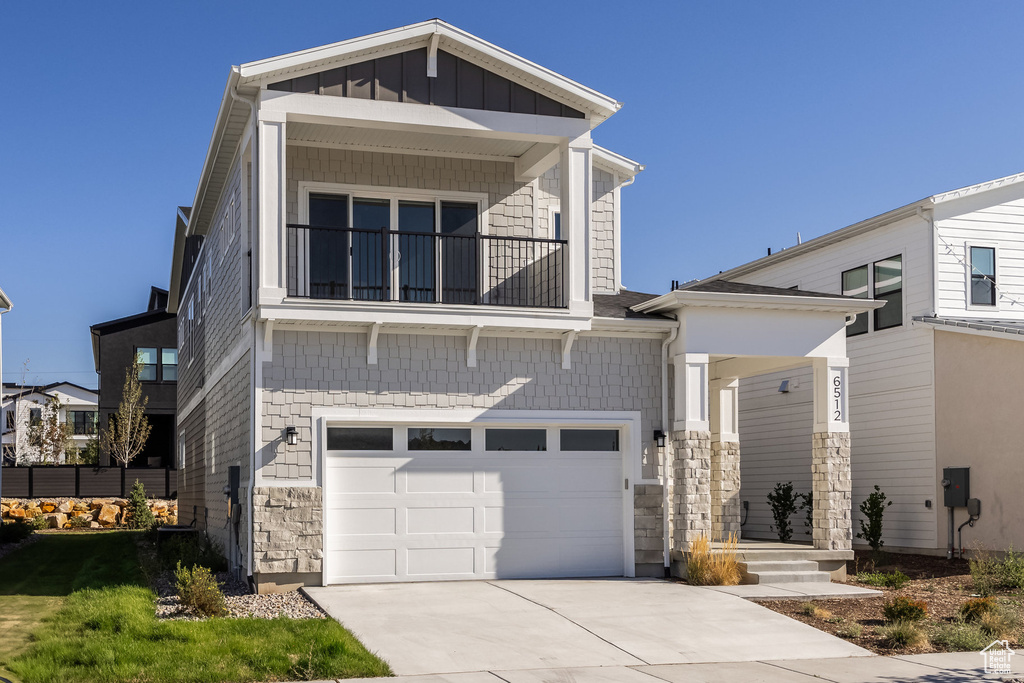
706, 566
901, 635
198, 589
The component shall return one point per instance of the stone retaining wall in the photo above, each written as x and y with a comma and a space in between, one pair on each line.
98, 512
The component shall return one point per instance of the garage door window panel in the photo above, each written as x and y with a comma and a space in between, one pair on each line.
434, 439
516, 440
589, 439
360, 439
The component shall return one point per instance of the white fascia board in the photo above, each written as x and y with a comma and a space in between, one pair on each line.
406, 37
616, 163
997, 184
881, 221
5, 302
687, 299
413, 315
421, 117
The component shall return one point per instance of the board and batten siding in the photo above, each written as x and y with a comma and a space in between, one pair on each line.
993, 219
892, 414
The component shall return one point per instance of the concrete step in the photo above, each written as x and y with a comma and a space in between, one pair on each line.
786, 577
758, 566
791, 555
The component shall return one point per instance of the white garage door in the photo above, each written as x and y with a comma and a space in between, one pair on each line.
406, 503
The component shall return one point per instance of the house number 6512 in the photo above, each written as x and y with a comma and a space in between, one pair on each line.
837, 397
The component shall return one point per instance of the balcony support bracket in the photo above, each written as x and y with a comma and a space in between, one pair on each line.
568, 339
371, 344
471, 339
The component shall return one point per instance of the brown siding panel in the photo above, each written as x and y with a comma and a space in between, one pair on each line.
389, 78
283, 86
470, 85
416, 85
547, 106
524, 100
307, 84
333, 82
360, 80
497, 92
444, 88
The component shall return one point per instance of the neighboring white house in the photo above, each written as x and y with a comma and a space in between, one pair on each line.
405, 352
23, 405
935, 374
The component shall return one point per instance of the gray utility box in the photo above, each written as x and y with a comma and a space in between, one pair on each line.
957, 484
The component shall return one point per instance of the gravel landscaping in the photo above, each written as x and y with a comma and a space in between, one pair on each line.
943, 585
240, 602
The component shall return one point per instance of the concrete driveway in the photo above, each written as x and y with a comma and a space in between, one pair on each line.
451, 627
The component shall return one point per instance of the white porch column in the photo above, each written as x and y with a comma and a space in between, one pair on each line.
691, 451
725, 457
830, 456
577, 189
271, 225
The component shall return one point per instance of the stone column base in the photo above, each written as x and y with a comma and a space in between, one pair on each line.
691, 497
725, 488
833, 495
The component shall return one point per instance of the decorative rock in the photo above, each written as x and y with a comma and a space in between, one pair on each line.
108, 515
57, 520
94, 525
48, 507
98, 503
66, 507
17, 513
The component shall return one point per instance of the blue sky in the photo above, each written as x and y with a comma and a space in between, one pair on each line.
756, 120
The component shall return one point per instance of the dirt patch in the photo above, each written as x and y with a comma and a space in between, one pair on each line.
943, 584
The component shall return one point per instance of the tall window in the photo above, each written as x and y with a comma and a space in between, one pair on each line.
35, 416
147, 359
889, 288
169, 365
983, 276
855, 284
556, 218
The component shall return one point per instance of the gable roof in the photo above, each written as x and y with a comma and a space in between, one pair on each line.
246, 80
881, 221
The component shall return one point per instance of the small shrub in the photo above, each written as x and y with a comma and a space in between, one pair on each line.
983, 574
198, 589
972, 610
38, 522
895, 579
14, 532
812, 610
851, 631
80, 522
807, 505
190, 550
900, 635
139, 515
1011, 570
707, 567
960, 636
873, 508
904, 609
783, 501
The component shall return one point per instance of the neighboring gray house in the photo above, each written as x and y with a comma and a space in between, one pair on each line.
405, 351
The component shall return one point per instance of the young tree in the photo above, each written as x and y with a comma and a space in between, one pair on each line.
128, 428
49, 435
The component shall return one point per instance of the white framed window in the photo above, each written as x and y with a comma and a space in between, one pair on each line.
555, 223
881, 280
181, 453
982, 275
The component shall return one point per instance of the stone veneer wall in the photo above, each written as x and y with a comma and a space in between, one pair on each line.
649, 526
832, 488
287, 532
691, 495
725, 488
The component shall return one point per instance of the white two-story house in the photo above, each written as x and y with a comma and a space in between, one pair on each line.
935, 374
22, 406
405, 351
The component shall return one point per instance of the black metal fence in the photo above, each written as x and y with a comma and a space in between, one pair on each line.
85, 481
388, 265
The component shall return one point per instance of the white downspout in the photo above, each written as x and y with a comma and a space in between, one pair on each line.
253, 355
666, 505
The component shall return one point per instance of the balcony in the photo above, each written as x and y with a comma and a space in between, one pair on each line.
354, 264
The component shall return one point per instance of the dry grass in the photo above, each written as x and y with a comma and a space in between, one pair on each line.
712, 567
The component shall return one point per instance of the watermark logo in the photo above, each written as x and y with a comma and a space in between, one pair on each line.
997, 657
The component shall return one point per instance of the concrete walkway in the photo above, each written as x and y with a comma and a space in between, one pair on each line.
796, 591
959, 667
618, 626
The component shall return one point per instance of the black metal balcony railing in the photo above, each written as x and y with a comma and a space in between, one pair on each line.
389, 265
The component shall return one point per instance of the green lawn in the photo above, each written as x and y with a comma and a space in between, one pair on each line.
79, 610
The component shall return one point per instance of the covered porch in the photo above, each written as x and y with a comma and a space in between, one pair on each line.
730, 331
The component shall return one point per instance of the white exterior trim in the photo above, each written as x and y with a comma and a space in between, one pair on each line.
996, 247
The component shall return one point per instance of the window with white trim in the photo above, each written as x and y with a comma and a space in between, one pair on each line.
982, 262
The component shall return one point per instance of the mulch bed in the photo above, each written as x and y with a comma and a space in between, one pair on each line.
943, 584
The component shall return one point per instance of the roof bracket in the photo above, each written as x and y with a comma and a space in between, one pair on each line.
371, 344
432, 55
567, 341
471, 340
